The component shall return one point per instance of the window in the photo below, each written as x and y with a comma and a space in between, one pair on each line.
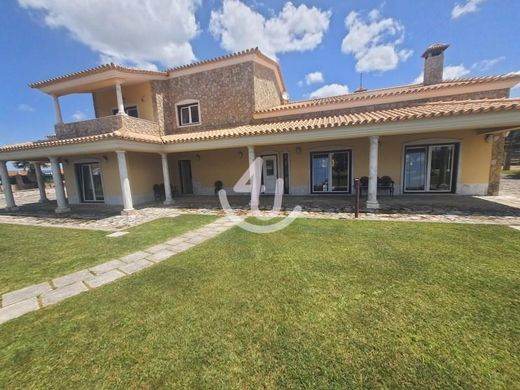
130, 111
330, 171
430, 168
188, 114
90, 183
286, 173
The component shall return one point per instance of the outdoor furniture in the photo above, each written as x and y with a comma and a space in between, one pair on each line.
159, 191
384, 183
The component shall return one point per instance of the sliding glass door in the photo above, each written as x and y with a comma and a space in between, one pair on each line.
330, 172
90, 183
429, 168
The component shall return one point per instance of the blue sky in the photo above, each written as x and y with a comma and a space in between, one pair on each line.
321, 45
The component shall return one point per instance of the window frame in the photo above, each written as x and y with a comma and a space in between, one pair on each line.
187, 104
428, 152
329, 153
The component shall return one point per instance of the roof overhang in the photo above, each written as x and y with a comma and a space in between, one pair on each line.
393, 95
96, 81
491, 122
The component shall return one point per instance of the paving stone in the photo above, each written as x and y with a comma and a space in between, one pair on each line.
105, 278
182, 246
516, 227
108, 266
197, 240
59, 294
161, 256
135, 266
134, 257
176, 241
157, 248
117, 234
25, 293
79, 276
18, 309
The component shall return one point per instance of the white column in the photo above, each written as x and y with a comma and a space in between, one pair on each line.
120, 103
8, 192
57, 110
63, 207
40, 181
128, 205
372, 202
253, 179
166, 178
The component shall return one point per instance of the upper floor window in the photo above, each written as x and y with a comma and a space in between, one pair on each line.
188, 113
130, 111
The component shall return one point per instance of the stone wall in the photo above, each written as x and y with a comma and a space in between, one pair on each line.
267, 93
226, 97
105, 125
497, 161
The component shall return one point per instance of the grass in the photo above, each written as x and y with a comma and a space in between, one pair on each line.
321, 304
31, 255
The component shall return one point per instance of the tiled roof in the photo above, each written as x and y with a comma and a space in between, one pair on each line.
423, 111
111, 66
94, 70
394, 91
255, 50
122, 135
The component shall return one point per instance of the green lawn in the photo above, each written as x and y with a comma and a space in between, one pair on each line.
321, 304
511, 174
31, 255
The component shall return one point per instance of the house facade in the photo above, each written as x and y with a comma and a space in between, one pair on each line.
193, 128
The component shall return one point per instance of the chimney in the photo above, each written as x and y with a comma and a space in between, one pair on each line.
434, 63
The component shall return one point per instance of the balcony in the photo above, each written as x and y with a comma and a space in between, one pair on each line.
107, 124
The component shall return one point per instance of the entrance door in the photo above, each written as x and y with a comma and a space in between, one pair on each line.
185, 176
269, 173
429, 168
90, 183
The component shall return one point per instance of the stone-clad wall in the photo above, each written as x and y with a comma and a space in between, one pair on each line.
105, 125
226, 97
267, 93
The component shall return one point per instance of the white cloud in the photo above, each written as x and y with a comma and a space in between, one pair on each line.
487, 64
79, 116
25, 107
132, 32
329, 90
374, 42
314, 78
450, 72
468, 7
239, 27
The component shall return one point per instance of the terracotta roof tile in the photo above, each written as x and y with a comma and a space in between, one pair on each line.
422, 111
385, 92
94, 70
123, 135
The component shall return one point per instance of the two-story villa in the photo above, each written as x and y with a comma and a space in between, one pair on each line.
193, 126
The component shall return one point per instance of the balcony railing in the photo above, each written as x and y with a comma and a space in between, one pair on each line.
107, 124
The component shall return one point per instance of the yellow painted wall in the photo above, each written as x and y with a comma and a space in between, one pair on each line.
144, 170
109, 175
139, 95
227, 164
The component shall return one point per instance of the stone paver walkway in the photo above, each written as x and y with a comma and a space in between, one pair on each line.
19, 302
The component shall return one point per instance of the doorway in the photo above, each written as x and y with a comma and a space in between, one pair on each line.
90, 182
185, 177
269, 173
430, 168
